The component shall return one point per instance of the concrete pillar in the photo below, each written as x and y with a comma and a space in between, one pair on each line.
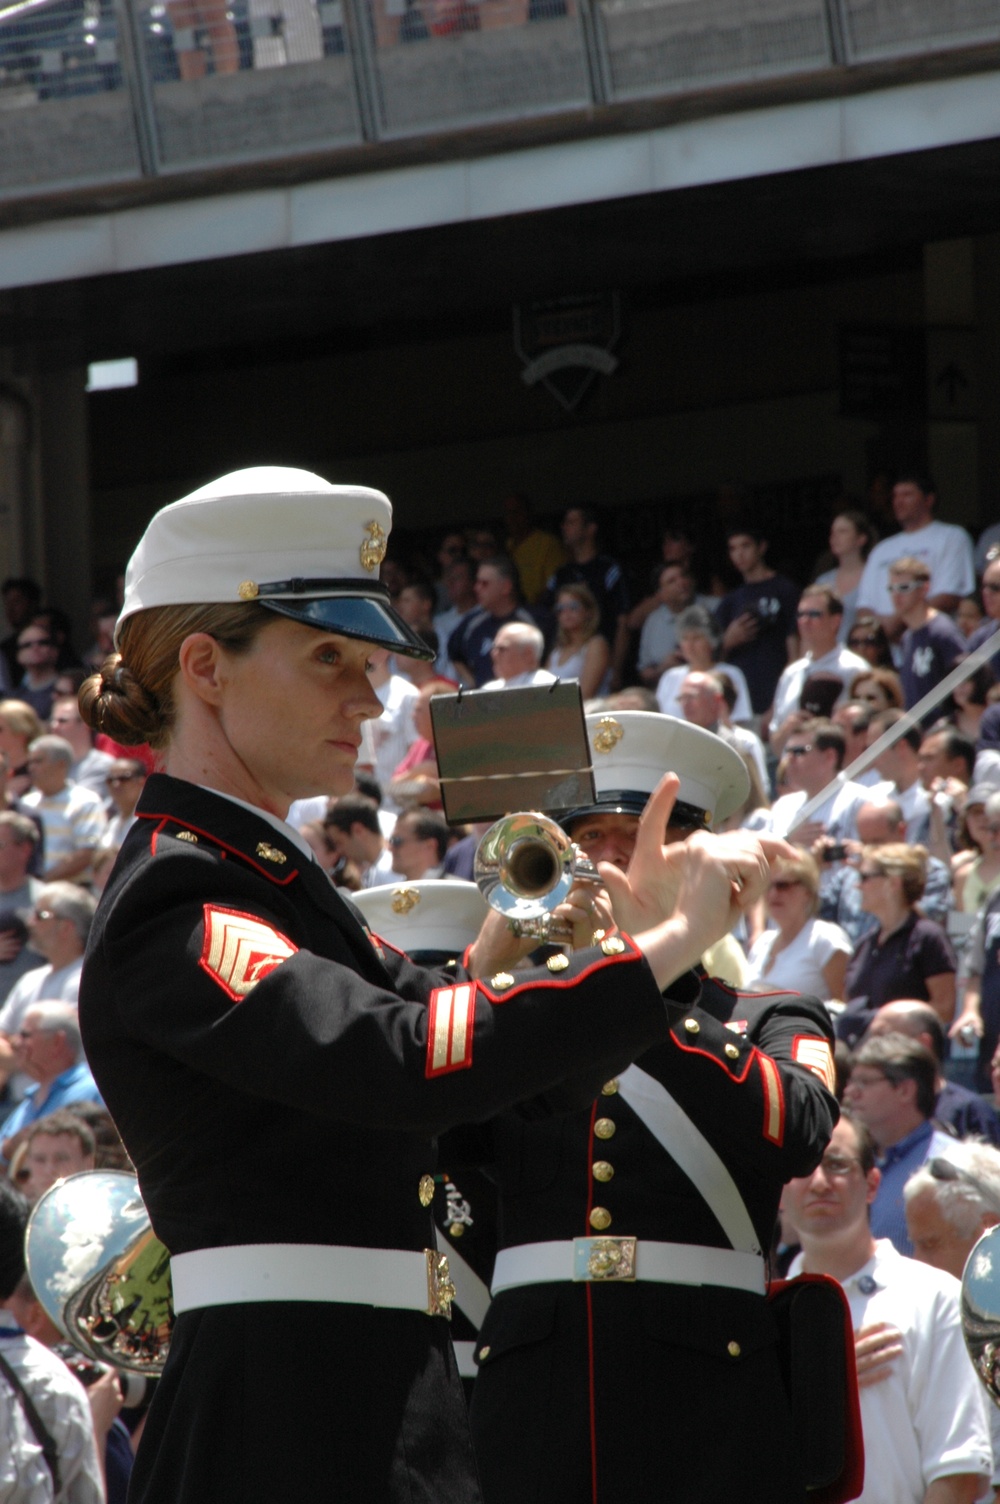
953, 387
987, 269
64, 530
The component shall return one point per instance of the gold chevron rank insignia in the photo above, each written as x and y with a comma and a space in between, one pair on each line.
241, 950
816, 1056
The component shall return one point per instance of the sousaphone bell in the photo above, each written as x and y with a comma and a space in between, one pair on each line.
99, 1271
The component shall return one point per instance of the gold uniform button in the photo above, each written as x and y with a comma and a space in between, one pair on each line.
603, 1171
557, 963
734, 1349
612, 946
609, 1088
604, 1128
600, 1218
732, 1051
484, 1353
502, 979
425, 1190
692, 1025
456, 1229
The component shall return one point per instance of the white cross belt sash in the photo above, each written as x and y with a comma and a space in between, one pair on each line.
688, 1147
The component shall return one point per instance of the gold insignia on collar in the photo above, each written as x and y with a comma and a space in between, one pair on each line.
187, 835
248, 590
271, 853
609, 733
373, 548
404, 899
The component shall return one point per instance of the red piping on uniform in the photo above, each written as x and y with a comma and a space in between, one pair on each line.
591, 1397
282, 882
631, 955
156, 832
690, 1049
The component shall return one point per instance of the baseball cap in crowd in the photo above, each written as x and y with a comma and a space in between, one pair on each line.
633, 749
281, 538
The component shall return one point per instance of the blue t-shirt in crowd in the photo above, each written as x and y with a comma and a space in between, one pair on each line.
927, 654
774, 603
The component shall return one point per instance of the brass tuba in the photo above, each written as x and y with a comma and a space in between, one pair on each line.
525, 866
981, 1310
99, 1271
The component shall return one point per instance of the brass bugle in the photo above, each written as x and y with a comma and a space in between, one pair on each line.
525, 866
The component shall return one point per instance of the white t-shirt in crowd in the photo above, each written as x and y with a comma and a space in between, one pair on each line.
670, 683
840, 662
943, 547
839, 812
799, 967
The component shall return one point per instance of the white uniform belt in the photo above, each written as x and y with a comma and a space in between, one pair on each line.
616, 1259
249, 1272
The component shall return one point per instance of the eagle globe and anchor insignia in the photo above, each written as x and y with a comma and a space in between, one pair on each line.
609, 733
374, 546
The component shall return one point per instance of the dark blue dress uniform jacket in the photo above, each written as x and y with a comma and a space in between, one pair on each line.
267, 1064
625, 1393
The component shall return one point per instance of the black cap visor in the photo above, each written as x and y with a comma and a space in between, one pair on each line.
353, 616
632, 802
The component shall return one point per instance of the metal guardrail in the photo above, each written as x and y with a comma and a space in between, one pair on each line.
103, 91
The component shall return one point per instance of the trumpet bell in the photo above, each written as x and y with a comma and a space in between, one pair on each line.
525, 866
99, 1271
981, 1310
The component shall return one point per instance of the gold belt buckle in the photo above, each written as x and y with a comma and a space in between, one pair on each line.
440, 1290
604, 1259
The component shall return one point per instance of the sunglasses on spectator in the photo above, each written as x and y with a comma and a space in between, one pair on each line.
782, 884
34, 642
905, 587
863, 642
810, 615
798, 751
118, 778
44, 914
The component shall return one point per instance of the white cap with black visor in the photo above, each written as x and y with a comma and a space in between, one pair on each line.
277, 537
632, 749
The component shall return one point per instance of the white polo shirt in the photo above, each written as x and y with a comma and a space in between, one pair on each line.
930, 1418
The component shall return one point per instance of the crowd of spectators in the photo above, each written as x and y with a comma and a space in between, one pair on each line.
890, 912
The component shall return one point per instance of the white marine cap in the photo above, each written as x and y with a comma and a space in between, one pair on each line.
435, 915
281, 538
631, 751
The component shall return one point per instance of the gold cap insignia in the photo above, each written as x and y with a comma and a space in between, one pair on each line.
248, 591
373, 548
404, 899
557, 963
187, 835
271, 853
609, 733
425, 1190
